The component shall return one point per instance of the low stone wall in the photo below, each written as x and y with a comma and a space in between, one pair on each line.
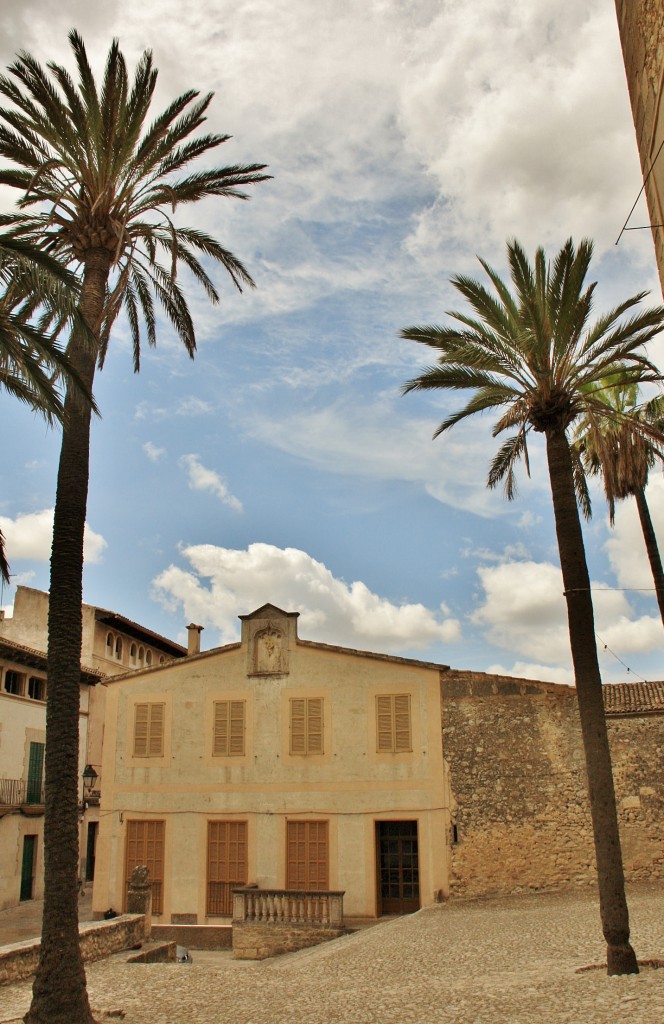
98, 939
258, 941
520, 813
195, 936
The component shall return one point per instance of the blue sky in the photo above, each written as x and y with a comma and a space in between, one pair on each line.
283, 464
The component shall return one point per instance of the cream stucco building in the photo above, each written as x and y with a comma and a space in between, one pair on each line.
112, 644
23, 684
276, 761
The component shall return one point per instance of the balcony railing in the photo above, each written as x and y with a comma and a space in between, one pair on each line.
16, 792
285, 906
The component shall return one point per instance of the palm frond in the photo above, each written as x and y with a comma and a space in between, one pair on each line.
504, 462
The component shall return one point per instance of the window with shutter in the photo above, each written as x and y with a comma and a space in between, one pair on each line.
393, 730
229, 728
306, 725
149, 730
145, 845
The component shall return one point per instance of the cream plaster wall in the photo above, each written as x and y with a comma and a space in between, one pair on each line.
28, 624
349, 784
23, 721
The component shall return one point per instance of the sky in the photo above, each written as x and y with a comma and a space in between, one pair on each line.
405, 139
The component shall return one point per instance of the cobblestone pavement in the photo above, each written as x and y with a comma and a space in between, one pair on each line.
502, 961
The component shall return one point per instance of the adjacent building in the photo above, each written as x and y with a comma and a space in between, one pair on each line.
23, 686
111, 645
641, 25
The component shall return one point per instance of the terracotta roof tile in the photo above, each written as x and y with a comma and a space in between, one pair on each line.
633, 698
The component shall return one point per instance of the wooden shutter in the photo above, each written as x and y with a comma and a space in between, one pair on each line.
402, 740
306, 725
229, 726
145, 845
298, 727
34, 794
156, 741
384, 723
307, 855
149, 730
315, 725
393, 723
141, 730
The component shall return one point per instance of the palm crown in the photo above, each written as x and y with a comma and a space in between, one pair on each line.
101, 180
534, 353
622, 453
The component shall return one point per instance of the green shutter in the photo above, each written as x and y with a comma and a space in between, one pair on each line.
35, 774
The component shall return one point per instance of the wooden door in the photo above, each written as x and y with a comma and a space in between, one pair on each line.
398, 880
227, 865
307, 856
28, 866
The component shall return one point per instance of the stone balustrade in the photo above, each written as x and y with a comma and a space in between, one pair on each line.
267, 922
288, 907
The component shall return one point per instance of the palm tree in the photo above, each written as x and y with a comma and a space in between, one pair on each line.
533, 355
624, 457
105, 186
36, 303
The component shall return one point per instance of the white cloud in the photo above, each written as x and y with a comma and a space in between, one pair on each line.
188, 406
523, 610
203, 479
30, 536
534, 670
331, 610
547, 130
153, 452
373, 441
539, 145
625, 545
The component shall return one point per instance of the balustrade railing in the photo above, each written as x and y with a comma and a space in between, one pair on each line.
286, 906
15, 792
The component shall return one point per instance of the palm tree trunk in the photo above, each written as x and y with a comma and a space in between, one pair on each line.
621, 958
651, 547
59, 991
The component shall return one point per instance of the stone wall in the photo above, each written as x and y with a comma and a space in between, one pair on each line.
98, 939
195, 936
258, 941
519, 803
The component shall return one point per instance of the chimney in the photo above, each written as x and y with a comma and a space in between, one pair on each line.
194, 641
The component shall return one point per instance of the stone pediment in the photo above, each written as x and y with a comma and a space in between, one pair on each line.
268, 634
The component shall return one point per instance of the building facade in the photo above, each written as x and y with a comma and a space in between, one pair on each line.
277, 762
